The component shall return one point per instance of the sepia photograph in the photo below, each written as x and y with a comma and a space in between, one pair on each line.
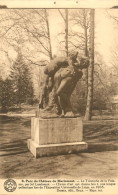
59, 100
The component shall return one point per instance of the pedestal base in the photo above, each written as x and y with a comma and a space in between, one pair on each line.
56, 136
55, 149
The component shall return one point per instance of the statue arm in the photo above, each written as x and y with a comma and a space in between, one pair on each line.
62, 85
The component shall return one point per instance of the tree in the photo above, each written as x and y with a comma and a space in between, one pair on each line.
3, 6
76, 30
6, 94
79, 32
65, 19
32, 27
66, 31
21, 80
48, 33
35, 22
28, 30
78, 41
88, 113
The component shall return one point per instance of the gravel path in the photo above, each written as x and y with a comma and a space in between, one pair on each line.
100, 161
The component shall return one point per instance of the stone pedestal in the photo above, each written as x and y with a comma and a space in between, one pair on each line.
56, 136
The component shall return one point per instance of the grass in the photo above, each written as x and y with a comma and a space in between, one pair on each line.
16, 161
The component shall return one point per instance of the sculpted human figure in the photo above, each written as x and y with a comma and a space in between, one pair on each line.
62, 76
49, 73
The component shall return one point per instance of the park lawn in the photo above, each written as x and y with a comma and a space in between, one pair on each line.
99, 161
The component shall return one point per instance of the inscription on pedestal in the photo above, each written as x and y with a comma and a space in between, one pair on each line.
57, 130
56, 136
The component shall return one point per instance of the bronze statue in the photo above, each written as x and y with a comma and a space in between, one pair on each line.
61, 77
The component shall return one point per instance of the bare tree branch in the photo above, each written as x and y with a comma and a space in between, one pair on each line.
62, 15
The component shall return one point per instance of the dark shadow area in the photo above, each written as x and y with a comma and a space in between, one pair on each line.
101, 135
11, 119
3, 7
101, 147
14, 132
27, 123
7, 119
115, 7
13, 148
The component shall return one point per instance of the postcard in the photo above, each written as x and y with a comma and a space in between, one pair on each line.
58, 97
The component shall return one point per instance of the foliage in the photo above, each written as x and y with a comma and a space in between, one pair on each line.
21, 81
78, 99
33, 31
6, 94
18, 88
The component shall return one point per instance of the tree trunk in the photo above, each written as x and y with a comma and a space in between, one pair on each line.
48, 33
86, 54
88, 113
85, 26
66, 31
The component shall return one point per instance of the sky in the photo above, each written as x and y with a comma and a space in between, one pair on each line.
106, 32
106, 36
